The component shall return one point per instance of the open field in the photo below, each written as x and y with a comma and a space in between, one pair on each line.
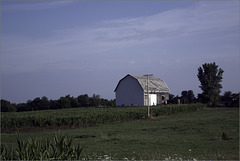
197, 134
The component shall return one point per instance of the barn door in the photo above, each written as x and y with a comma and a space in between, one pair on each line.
152, 99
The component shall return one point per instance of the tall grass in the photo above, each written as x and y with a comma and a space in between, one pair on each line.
88, 116
58, 148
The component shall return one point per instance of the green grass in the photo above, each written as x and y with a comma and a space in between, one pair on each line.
184, 135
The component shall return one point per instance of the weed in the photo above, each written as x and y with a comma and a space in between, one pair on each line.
60, 148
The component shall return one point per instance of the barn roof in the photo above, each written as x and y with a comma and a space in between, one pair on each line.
155, 84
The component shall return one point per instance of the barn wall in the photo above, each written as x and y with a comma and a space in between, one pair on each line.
129, 92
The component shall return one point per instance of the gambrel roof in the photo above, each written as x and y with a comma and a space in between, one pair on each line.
155, 84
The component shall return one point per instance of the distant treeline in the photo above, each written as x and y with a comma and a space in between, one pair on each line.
228, 99
63, 102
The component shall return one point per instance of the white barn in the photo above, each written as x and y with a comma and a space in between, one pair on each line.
132, 90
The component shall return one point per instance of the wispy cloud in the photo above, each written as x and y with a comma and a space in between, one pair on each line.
204, 17
34, 5
201, 18
69, 44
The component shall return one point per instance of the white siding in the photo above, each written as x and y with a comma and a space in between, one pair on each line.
129, 92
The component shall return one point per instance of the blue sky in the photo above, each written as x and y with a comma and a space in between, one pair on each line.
55, 48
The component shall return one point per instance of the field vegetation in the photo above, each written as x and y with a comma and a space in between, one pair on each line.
55, 148
183, 133
76, 117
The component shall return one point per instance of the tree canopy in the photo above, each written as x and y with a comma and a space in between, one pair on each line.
210, 77
188, 97
62, 103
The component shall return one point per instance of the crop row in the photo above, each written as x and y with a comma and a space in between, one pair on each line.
87, 116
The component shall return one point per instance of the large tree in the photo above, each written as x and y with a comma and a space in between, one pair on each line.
210, 77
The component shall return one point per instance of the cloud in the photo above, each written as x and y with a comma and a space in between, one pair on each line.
204, 17
71, 47
33, 5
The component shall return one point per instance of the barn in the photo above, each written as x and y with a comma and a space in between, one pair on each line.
135, 90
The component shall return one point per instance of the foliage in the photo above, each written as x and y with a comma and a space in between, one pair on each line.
56, 148
39, 103
210, 78
173, 99
6, 106
230, 99
62, 103
188, 97
87, 116
184, 97
185, 136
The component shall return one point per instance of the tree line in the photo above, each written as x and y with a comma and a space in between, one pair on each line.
187, 96
68, 101
228, 99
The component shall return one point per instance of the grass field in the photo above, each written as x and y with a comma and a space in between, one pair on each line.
191, 135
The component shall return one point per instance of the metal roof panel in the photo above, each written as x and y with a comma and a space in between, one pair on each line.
155, 84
